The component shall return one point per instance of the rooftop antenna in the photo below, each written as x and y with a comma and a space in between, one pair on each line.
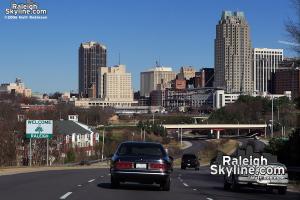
119, 58
159, 61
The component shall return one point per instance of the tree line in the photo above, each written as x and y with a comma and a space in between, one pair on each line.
14, 145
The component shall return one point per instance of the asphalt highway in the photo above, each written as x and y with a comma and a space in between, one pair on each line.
95, 184
89, 184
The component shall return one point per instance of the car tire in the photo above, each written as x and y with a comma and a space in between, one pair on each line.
282, 190
226, 185
269, 190
115, 183
197, 168
235, 186
166, 185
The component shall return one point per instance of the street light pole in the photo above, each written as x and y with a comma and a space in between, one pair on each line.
272, 130
102, 149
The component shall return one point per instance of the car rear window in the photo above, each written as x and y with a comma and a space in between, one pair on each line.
188, 156
141, 150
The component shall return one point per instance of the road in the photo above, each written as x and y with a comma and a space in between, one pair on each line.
95, 184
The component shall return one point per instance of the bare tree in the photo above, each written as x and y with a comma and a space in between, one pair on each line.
292, 27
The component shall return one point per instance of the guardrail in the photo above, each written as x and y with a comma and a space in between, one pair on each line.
83, 162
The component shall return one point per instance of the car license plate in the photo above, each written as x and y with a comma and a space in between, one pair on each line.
188, 164
141, 166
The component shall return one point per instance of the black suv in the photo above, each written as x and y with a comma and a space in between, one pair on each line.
190, 161
141, 162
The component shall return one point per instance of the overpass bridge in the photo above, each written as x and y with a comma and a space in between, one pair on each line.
215, 127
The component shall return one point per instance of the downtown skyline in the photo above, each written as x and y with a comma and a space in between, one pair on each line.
176, 34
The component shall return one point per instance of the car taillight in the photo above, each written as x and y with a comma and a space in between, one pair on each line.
160, 166
123, 165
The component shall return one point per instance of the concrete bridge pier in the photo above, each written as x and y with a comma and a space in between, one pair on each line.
218, 134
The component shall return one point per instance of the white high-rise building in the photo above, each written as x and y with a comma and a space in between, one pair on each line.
265, 62
151, 79
114, 84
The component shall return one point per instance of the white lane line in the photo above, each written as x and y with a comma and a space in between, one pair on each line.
102, 176
79, 185
65, 195
195, 189
91, 180
108, 174
209, 198
186, 185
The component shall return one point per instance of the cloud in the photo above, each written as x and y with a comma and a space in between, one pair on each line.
288, 43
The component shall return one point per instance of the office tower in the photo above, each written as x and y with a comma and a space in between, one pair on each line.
265, 62
204, 78
186, 72
115, 84
156, 78
91, 56
287, 78
233, 60
18, 87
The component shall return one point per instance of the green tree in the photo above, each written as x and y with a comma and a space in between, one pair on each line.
71, 156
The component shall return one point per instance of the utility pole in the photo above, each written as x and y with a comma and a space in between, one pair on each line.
47, 151
30, 153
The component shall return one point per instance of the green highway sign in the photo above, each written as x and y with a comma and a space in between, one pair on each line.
39, 128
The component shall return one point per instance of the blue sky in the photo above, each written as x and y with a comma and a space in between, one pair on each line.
44, 53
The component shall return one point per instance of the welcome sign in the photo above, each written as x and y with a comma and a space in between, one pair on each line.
39, 128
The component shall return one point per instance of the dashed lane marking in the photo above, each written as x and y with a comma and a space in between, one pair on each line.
91, 180
209, 198
195, 189
186, 185
79, 185
65, 195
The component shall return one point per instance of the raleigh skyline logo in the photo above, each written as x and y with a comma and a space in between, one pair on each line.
27, 10
253, 167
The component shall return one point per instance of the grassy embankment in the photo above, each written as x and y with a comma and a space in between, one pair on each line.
211, 149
